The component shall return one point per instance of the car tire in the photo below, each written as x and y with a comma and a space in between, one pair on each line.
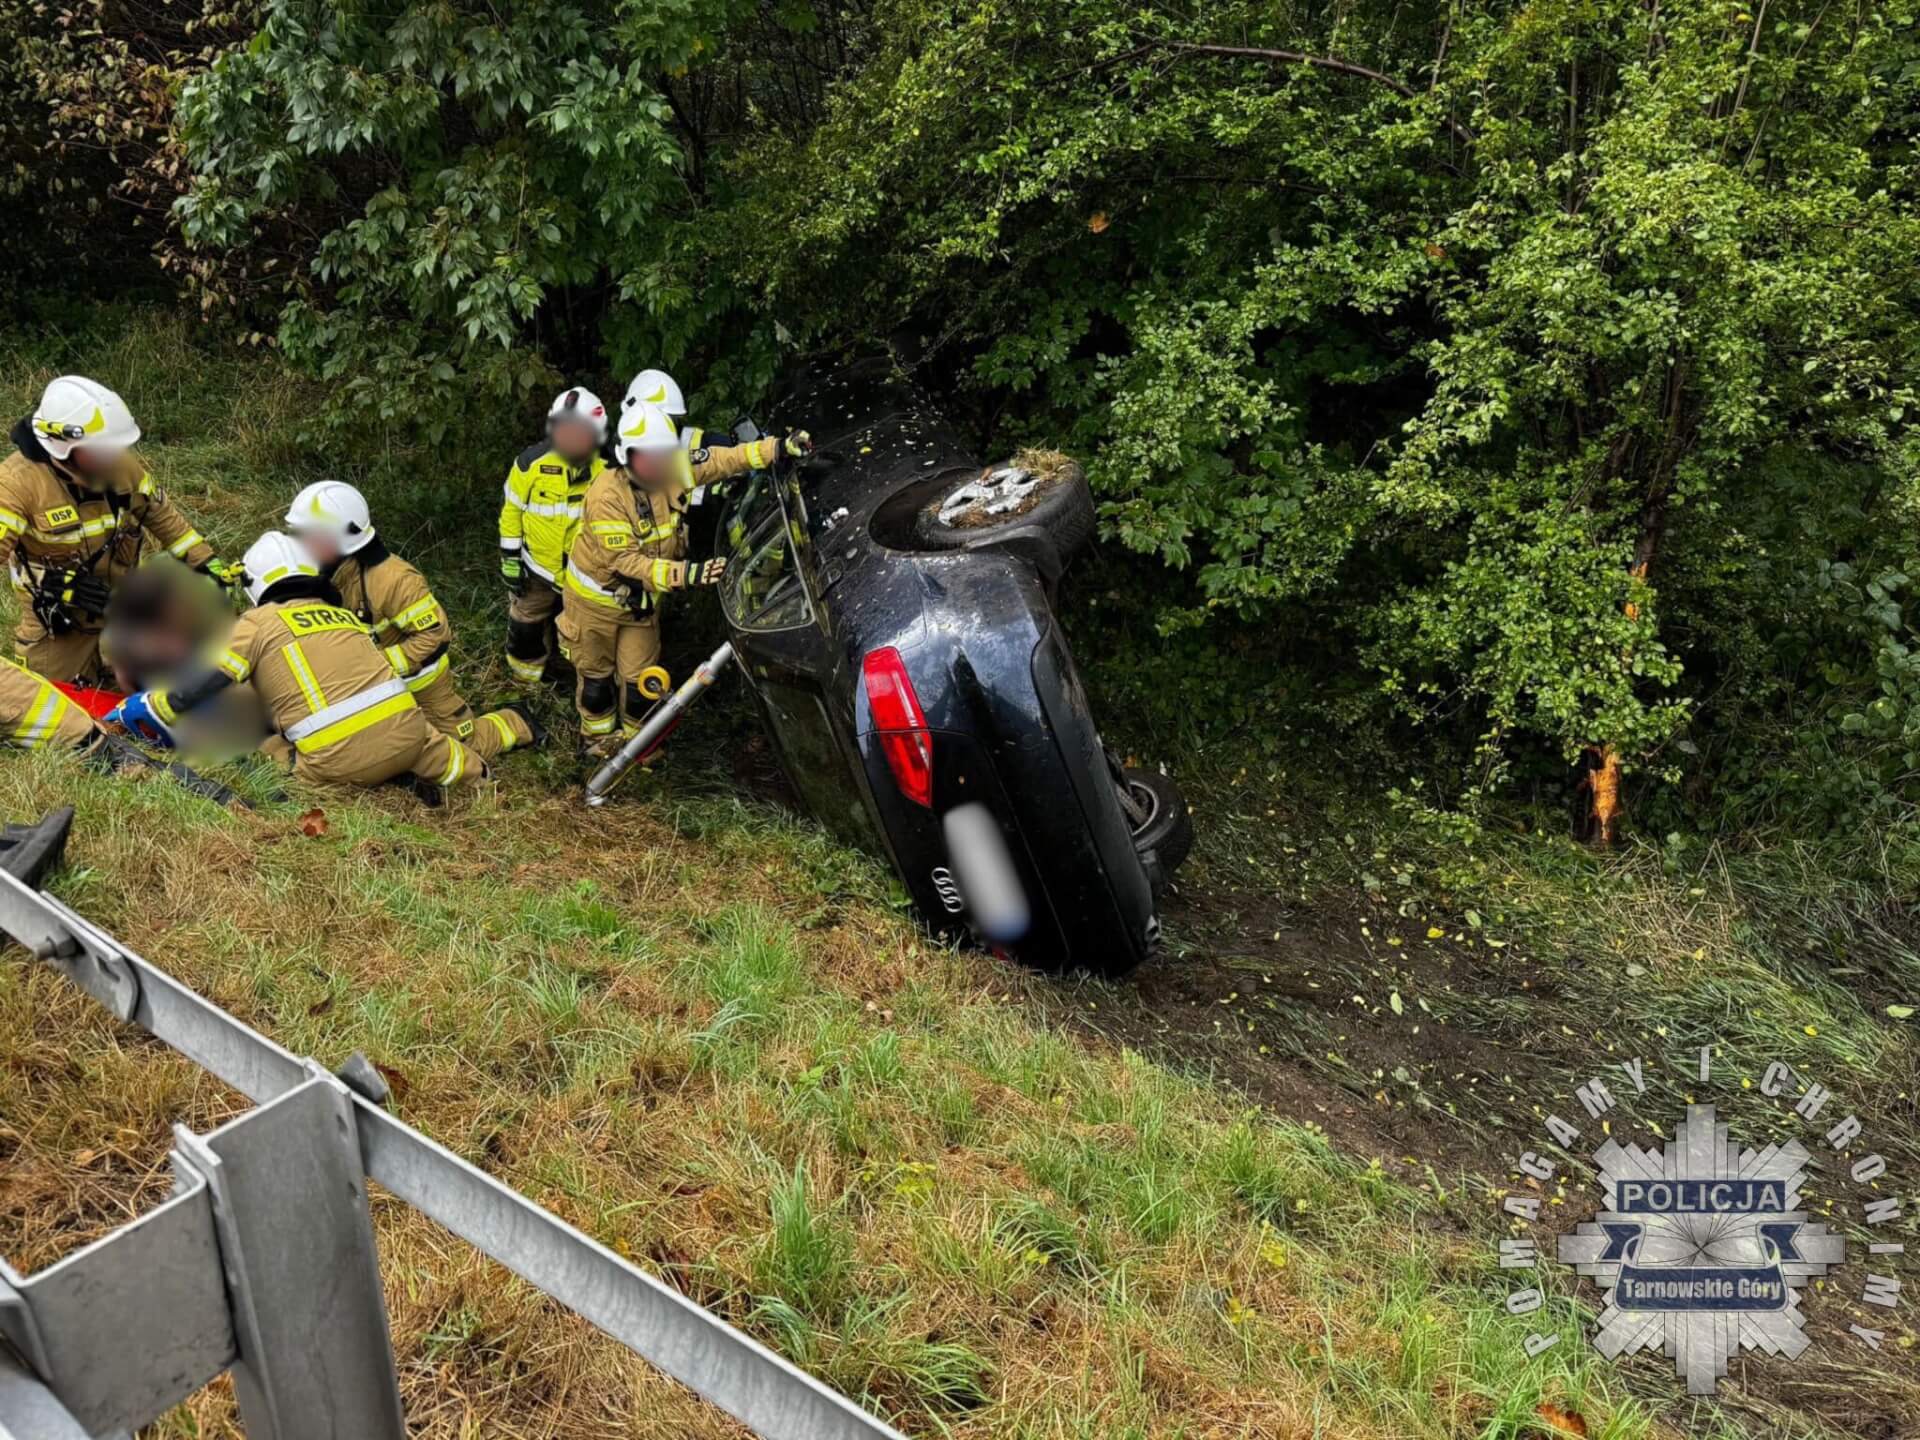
1063, 507
1166, 831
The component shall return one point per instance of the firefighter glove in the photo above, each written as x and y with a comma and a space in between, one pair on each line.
513, 572
228, 577
74, 595
695, 573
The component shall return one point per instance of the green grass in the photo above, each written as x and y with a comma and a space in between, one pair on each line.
707, 1034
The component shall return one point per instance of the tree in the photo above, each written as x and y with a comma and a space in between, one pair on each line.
1434, 329
439, 185
1436, 320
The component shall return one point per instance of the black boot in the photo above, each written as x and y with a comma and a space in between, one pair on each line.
525, 712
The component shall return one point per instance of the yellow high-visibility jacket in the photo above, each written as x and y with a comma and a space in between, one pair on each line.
541, 512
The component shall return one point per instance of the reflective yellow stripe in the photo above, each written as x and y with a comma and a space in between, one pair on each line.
609, 527
158, 700
354, 724
74, 534
663, 574
507, 738
397, 658
303, 675
419, 616
11, 521
456, 763
528, 670
661, 531
427, 674
186, 542
234, 664
49, 705
591, 589
597, 724
146, 483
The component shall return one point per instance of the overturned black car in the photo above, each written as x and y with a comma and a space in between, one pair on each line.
891, 606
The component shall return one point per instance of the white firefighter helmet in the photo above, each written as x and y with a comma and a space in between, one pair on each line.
581, 404
76, 411
272, 558
655, 387
334, 509
645, 427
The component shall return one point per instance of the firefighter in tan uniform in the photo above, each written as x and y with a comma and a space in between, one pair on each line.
631, 550
538, 518
330, 696
657, 387
76, 511
392, 599
34, 713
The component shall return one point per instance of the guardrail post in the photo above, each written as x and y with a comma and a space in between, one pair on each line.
303, 1278
288, 1291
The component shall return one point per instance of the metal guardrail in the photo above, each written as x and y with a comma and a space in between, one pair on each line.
263, 1262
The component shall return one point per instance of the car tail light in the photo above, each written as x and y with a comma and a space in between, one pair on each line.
900, 725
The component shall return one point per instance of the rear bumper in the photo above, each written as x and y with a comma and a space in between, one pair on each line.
1065, 913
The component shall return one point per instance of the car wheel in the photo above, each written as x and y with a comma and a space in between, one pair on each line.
975, 509
1157, 815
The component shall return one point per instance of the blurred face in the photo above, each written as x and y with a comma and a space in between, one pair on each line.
324, 549
160, 617
655, 469
575, 439
95, 459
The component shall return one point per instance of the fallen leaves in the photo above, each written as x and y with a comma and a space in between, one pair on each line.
1560, 1422
396, 1080
1098, 222
313, 824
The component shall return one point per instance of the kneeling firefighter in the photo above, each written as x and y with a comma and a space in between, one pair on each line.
76, 509
630, 551
393, 600
538, 520
35, 713
329, 695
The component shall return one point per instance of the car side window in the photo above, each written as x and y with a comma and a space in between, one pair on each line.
762, 589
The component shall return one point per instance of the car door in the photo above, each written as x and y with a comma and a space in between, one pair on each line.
772, 606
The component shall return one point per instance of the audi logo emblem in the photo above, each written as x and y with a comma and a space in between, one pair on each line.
949, 889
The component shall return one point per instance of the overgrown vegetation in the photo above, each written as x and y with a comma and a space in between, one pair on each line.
1548, 367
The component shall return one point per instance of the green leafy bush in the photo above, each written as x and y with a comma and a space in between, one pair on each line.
1472, 359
